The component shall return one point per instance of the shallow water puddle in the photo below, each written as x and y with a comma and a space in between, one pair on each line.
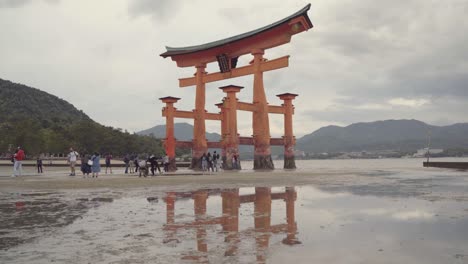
239, 225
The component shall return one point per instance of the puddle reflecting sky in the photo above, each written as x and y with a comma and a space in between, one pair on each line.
242, 225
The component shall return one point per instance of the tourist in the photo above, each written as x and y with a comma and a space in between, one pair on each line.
235, 162
131, 164
166, 163
209, 159
96, 167
126, 160
108, 162
215, 161
39, 164
72, 156
86, 164
18, 158
143, 168
204, 162
154, 164
135, 162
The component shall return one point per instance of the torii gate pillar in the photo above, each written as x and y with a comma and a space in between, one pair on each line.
289, 139
200, 145
260, 121
170, 141
224, 130
231, 142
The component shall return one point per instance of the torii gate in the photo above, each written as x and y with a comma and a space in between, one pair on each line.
226, 52
229, 220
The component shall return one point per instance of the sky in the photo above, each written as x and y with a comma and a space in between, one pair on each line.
363, 61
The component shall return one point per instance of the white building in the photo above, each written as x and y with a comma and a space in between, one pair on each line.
423, 152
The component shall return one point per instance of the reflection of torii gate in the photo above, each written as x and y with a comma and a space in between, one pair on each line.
231, 201
226, 52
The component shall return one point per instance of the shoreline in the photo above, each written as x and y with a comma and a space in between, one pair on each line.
193, 179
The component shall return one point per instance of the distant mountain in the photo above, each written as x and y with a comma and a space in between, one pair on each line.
403, 135
182, 132
43, 123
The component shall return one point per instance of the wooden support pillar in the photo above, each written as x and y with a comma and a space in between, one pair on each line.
199, 132
232, 137
170, 141
289, 139
200, 198
262, 222
231, 204
224, 130
170, 217
260, 121
290, 200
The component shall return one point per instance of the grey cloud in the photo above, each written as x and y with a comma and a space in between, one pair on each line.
13, 3
408, 49
20, 3
160, 9
447, 110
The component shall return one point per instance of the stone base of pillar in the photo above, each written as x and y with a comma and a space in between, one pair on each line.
172, 164
289, 162
196, 164
263, 162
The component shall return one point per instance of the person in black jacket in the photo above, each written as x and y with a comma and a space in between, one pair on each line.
154, 164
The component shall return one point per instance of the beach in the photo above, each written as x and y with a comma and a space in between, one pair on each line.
338, 211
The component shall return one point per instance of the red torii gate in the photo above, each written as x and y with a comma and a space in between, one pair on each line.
229, 220
226, 52
230, 139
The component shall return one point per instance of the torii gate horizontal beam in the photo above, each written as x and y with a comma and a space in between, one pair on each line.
237, 72
191, 115
272, 109
249, 141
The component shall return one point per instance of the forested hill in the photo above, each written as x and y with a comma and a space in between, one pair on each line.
43, 123
403, 135
20, 101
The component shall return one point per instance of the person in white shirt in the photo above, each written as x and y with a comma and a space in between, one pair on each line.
166, 163
72, 157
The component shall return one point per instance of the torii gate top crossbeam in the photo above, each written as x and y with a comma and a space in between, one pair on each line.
270, 36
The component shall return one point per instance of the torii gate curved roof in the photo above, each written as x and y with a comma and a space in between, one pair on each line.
269, 36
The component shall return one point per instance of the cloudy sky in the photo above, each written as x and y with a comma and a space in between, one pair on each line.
364, 60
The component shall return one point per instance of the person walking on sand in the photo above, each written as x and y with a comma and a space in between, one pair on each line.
18, 158
216, 160
96, 167
126, 160
135, 162
210, 161
72, 156
131, 164
39, 164
204, 162
166, 163
154, 164
234, 162
108, 162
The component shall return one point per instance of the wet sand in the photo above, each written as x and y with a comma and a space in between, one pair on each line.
368, 211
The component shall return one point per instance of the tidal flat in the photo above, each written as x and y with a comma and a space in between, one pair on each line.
336, 211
